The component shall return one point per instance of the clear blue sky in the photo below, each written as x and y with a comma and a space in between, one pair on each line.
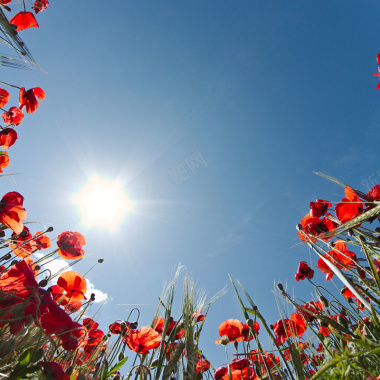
262, 92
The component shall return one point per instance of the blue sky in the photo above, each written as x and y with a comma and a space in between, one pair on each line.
260, 93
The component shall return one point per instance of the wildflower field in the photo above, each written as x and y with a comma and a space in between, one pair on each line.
46, 331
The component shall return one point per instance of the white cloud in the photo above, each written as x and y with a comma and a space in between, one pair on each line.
99, 295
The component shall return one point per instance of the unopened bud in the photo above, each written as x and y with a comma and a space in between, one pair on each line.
299, 227
123, 326
69, 371
280, 287
236, 344
7, 256
50, 229
37, 268
342, 321
133, 325
14, 262
92, 297
43, 283
7, 347
249, 322
121, 356
324, 301
18, 309
155, 363
116, 377
2, 233
81, 377
100, 261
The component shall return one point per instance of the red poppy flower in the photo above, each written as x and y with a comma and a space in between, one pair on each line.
55, 320
8, 137
310, 309
198, 316
314, 226
12, 214
232, 328
94, 337
350, 207
158, 325
304, 271
22, 244
24, 20
74, 285
339, 255
55, 370
41, 241
90, 323
4, 160
319, 208
237, 371
285, 328
40, 5
13, 116
70, 245
28, 98
377, 75
374, 193
5, 2
246, 333
144, 340
203, 365
4, 97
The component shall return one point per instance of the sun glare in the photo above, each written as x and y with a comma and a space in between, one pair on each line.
103, 203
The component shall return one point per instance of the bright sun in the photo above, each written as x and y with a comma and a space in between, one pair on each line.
103, 203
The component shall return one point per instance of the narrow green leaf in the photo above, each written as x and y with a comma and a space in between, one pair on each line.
118, 365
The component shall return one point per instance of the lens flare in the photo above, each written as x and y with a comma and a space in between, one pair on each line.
103, 203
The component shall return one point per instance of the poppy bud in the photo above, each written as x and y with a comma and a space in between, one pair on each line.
43, 283
2, 233
37, 268
324, 301
121, 356
6, 257
342, 321
18, 309
105, 337
299, 227
81, 376
69, 371
50, 229
92, 297
280, 287
123, 326
224, 340
133, 326
323, 324
155, 363
14, 262
100, 261
7, 347
350, 232
236, 344
249, 322
117, 377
